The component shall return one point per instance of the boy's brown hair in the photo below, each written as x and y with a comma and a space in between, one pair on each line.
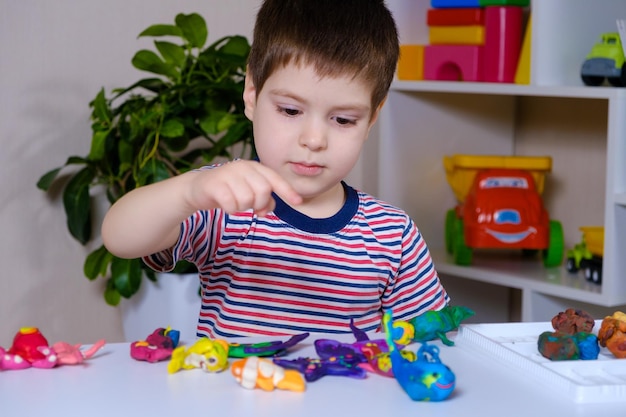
338, 37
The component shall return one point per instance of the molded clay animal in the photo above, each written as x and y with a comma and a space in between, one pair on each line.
433, 325
426, 378
206, 354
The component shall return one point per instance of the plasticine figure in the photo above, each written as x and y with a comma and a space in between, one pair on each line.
31, 349
206, 354
433, 325
273, 348
157, 347
254, 372
72, 354
426, 378
612, 334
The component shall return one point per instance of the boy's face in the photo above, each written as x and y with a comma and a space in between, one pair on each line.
309, 129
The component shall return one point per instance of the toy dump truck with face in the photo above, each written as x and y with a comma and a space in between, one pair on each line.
587, 255
499, 206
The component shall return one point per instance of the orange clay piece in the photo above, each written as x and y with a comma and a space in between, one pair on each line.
254, 372
612, 334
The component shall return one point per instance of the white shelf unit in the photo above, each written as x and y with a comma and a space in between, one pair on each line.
582, 128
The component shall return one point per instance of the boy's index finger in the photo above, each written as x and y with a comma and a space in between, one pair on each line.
282, 187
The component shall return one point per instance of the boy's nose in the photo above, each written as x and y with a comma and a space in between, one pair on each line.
313, 137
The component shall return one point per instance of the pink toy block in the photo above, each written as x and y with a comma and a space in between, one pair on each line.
456, 17
503, 42
453, 62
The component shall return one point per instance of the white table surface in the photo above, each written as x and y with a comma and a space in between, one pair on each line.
112, 383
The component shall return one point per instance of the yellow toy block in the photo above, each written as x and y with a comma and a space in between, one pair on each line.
456, 35
411, 63
522, 74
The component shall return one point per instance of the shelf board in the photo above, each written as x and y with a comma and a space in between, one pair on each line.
509, 89
509, 269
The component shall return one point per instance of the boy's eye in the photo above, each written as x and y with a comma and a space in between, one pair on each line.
288, 111
344, 121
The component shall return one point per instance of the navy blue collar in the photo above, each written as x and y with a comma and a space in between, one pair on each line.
328, 225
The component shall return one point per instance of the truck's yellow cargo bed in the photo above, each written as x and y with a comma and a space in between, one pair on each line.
461, 169
594, 239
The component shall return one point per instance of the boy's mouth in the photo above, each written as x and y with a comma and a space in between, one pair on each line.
306, 169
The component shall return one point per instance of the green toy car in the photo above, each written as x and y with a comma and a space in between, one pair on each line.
587, 255
606, 60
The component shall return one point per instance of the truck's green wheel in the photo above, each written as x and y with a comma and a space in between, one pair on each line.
449, 230
461, 252
553, 256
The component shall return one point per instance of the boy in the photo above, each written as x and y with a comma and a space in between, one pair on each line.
282, 244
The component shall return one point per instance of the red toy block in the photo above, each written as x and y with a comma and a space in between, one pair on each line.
503, 42
453, 62
455, 17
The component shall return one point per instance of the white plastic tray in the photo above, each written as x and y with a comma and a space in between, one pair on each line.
515, 344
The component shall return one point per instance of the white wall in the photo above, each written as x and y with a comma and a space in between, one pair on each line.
54, 57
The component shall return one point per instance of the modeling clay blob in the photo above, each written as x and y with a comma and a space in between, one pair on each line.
272, 348
27, 342
158, 346
73, 354
206, 354
254, 372
561, 346
30, 349
426, 378
612, 334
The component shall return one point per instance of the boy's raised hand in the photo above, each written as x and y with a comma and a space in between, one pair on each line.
240, 185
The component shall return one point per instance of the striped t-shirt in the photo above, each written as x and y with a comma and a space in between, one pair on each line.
287, 273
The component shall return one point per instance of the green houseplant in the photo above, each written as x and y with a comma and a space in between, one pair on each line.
158, 127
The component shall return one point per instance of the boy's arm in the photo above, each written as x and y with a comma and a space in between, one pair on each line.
147, 220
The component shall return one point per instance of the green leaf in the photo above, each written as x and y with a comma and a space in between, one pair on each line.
47, 179
210, 124
152, 172
149, 61
172, 53
152, 84
98, 142
77, 203
177, 144
75, 160
101, 109
162, 30
111, 294
172, 128
126, 275
194, 28
236, 45
125, 153
97, 263
150, 274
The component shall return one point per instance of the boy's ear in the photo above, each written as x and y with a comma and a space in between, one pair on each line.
249, 97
